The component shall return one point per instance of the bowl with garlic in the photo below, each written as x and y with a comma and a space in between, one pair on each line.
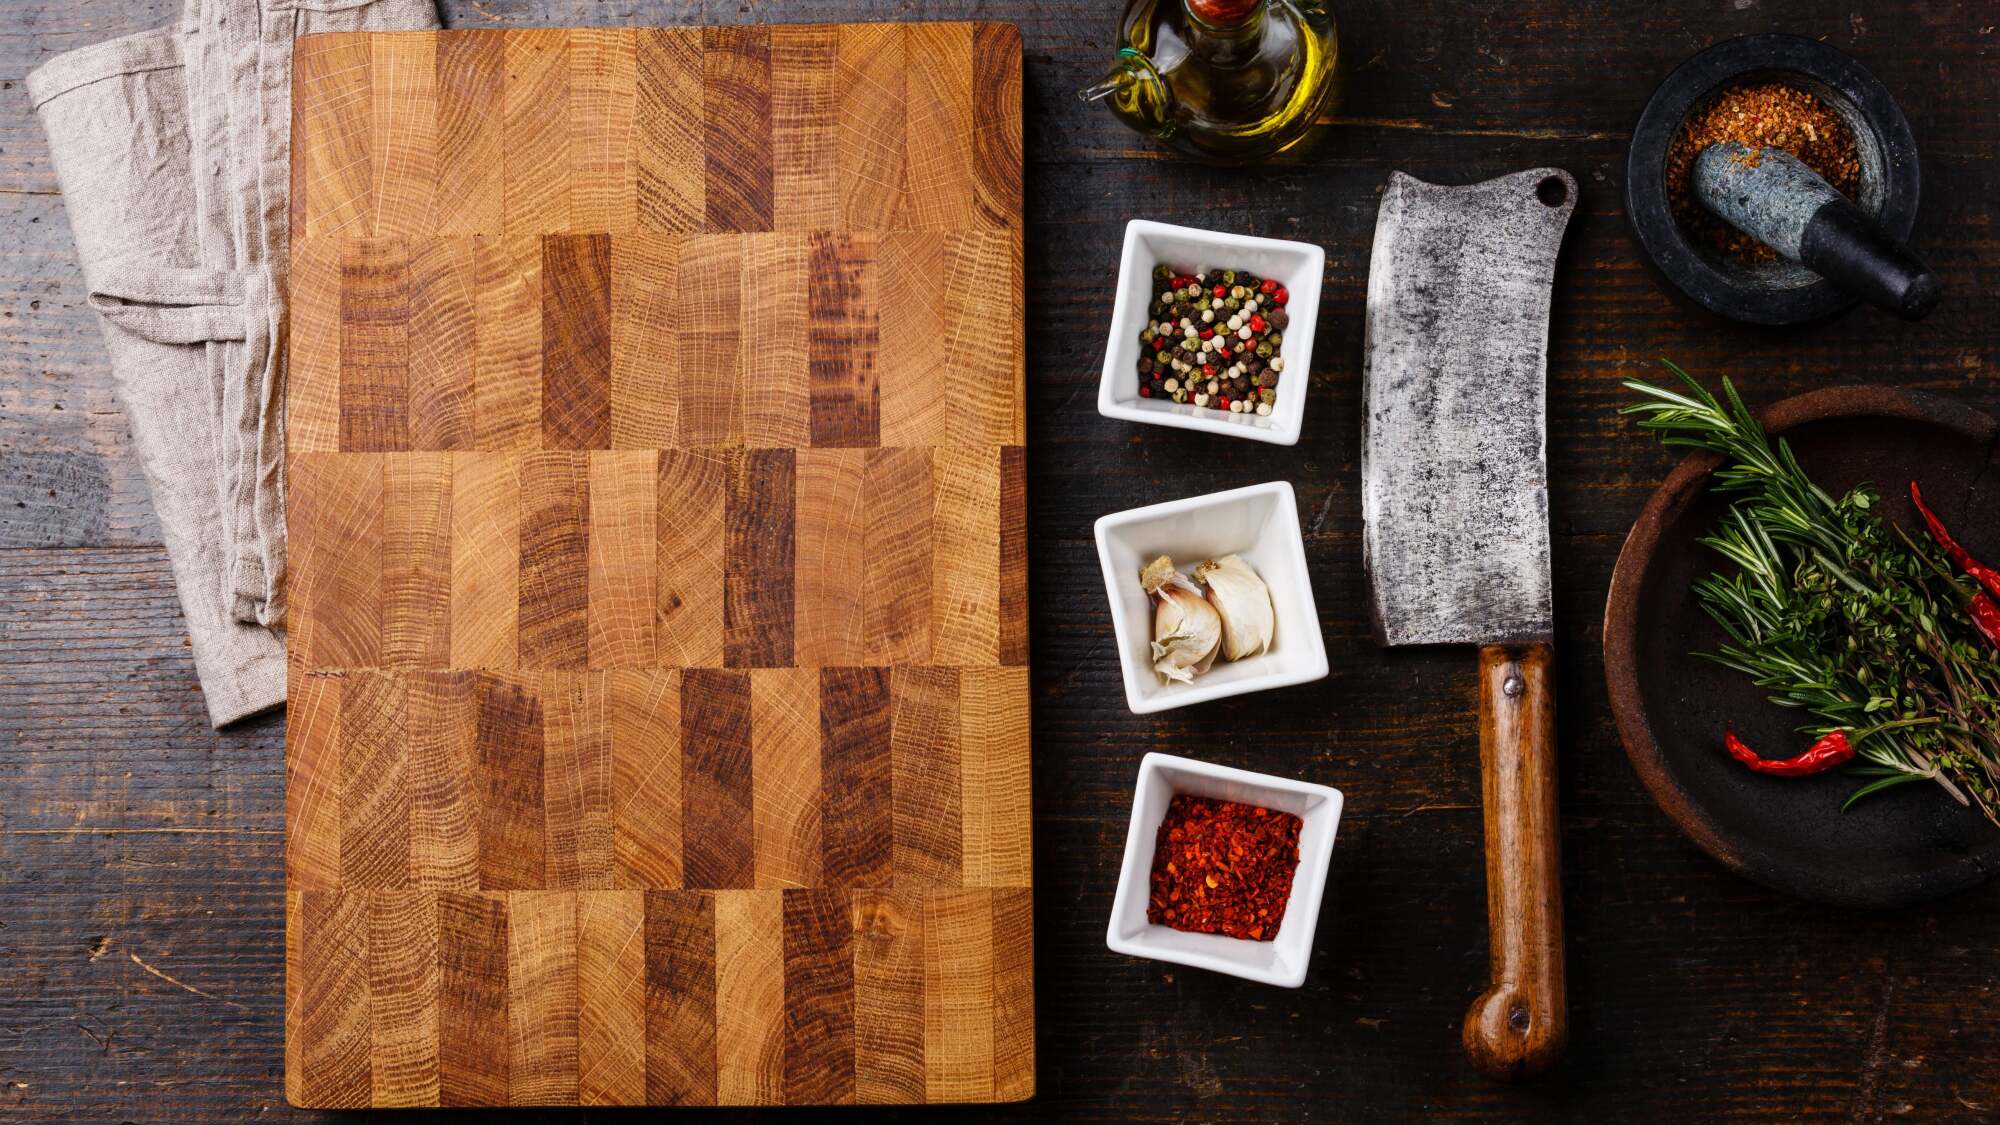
1212, 331
1210, 597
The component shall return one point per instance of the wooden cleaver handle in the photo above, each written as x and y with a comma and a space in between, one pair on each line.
1519, 1025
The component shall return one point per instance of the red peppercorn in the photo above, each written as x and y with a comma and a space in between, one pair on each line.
1207, 333
1159, 343
1219, 292
1266, 285
1256, 323
1145, 391
1222, 351
1225, 402
1281, 295
1208, 369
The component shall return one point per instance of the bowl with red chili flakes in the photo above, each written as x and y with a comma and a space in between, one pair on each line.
1224, 869
1212, 331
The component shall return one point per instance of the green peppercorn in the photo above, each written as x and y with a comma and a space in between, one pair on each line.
1233, 303
1267, 395
1229, 277
1162, 273
1276, 338
1264, 349
1200, 303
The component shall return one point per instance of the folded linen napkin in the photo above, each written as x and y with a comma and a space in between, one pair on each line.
173, 151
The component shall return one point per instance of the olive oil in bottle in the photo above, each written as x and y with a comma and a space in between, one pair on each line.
1227, 81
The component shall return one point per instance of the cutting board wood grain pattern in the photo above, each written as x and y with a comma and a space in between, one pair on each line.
659, 688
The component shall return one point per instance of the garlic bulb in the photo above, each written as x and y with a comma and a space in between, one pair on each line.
1243, 602
1186, 630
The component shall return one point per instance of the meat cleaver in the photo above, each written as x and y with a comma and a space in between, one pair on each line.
1454, 495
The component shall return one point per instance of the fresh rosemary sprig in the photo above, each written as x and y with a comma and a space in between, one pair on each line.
1837, 612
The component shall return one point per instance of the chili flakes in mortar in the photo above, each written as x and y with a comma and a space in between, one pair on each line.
1761, 115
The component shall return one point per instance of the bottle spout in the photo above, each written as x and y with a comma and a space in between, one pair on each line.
1135, 94
1119, 78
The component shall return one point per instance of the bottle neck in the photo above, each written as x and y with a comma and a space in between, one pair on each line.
1224, 31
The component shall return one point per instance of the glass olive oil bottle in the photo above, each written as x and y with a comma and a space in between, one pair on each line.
1228, 81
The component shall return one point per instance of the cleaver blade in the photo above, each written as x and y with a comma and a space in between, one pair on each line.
1454, 495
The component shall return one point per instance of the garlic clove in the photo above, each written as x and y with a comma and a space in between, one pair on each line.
1187, 632
1243, 603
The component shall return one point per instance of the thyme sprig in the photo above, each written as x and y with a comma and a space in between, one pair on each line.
1837, 612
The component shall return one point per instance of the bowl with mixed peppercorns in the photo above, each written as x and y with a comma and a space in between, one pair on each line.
1212, 332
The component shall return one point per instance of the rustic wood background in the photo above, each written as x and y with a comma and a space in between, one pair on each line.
140, 854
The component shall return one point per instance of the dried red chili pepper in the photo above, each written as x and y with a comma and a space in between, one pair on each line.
1985, 575
1986, 618
1831, 750
1222, 867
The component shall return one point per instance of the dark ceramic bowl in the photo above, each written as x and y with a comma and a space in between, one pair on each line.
1910, 843
1775, 292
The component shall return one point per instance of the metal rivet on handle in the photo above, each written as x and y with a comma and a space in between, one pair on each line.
1513, 685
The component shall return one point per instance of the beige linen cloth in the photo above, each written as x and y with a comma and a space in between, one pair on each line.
173, 151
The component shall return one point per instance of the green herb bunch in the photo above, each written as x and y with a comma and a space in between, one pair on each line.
1836, 611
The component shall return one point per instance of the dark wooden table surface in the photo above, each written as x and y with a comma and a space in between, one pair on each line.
140, 873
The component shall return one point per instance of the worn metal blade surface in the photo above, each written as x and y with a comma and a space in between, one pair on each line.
1454, 482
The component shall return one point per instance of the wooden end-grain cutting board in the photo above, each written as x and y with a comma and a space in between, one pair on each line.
659, 688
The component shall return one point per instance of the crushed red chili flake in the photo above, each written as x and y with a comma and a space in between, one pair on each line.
1223, 867
1760, 115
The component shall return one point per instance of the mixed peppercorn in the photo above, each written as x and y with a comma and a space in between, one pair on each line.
1222, 867
1212, 340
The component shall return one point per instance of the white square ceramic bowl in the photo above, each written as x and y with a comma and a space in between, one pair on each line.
1260, 523
1295, 265
1281, 961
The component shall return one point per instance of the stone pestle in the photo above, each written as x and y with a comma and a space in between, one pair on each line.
1770, 195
